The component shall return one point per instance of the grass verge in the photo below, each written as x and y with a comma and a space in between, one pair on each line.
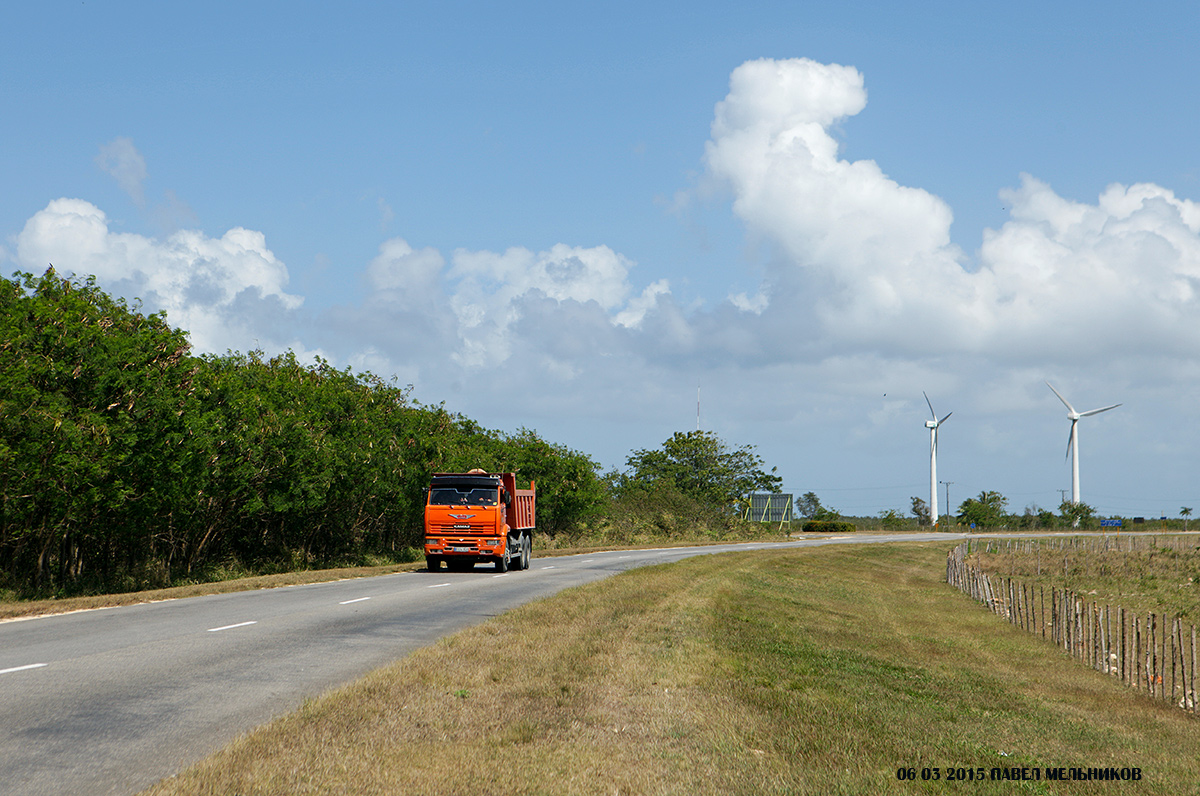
817, 671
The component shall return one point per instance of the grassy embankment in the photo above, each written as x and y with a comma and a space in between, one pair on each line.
804, 672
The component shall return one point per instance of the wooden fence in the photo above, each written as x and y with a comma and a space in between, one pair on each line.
1151, 653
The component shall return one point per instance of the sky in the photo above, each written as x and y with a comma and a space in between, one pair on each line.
581, 220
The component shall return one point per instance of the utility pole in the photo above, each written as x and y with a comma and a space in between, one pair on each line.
1062, 493
948, 511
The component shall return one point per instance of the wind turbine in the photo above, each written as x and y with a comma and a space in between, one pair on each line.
932, 425
1073, 440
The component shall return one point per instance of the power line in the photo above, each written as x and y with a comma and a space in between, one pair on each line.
862, 488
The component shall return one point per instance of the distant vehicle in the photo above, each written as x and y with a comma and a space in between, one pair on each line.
476, 517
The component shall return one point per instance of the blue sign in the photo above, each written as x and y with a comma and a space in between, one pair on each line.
1110, 523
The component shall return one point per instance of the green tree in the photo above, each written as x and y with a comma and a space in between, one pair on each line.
92, 395
809, 505
1037, 517
920, 510
1185, 512
703, 467
891, 519
1077, 515
827, 514
985, 511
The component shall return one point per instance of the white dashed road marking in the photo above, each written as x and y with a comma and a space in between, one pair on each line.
230, 627
360, 599
23, 668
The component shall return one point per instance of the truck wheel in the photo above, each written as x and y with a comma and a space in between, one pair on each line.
502, 561
433, 563
526, 550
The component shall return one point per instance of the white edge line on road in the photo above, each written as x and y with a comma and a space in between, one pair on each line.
549, 567
360, 599
439, 585
231, 627
501, 575
23, 668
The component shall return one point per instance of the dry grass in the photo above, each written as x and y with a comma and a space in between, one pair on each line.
1143, 573
801, 672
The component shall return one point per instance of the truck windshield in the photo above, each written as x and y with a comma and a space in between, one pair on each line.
464, 496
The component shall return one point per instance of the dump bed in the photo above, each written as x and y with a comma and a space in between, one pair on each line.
521, 512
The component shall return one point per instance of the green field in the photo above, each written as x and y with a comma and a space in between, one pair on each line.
817, 671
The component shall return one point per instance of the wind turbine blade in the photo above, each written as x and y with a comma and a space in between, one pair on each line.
1097, 411
944, 419
1070, 439
1064, 400
930, 404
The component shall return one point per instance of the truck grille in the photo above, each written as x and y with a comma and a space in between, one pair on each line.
460, 528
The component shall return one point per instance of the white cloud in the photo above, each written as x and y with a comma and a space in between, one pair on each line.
220, 289
1061, 278
1117, 277
638, 306
488, 287
755, 304
121, 159
412, 276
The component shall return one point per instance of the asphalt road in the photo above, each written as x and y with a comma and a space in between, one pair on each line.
111, 701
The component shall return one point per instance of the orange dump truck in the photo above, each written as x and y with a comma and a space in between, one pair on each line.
478, 516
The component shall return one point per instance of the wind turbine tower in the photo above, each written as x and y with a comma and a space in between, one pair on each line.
932, 425
1073, 440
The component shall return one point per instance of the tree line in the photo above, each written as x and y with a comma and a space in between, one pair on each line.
128, 462
989, 509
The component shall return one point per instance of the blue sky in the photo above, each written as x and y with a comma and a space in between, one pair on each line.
812, 211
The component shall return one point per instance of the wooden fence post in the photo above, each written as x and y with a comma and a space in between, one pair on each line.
1137, 647
1121, 619
1042, 602
1194, 669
